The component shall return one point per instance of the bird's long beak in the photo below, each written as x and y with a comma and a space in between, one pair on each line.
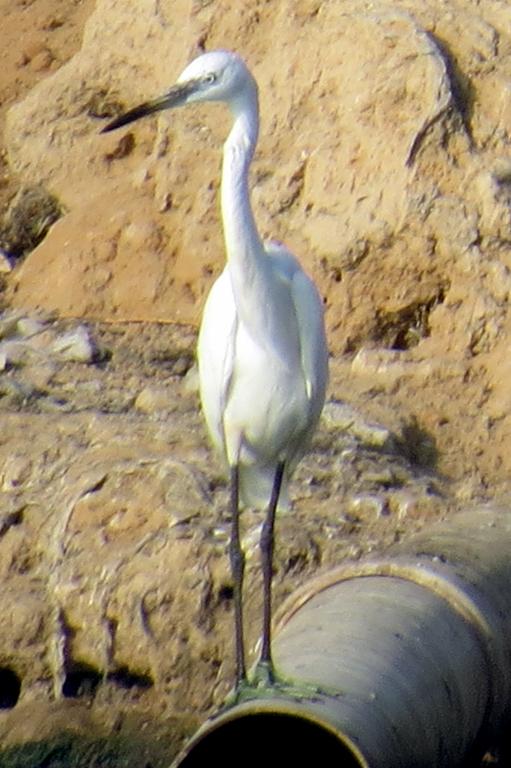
177, 96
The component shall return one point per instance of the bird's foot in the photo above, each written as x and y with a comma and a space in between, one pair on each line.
264, 676
242, 691
266, 680
266, 683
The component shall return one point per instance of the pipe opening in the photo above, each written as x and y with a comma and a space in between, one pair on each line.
269, 740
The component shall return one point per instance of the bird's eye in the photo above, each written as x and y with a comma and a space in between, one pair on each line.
210, 78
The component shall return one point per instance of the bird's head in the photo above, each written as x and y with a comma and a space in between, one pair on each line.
213, 76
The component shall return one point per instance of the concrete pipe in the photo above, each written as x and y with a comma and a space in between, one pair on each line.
410, 656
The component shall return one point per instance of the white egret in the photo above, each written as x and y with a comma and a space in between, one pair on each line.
262, 352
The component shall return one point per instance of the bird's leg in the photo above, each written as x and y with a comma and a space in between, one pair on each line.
265, 682
266, 546
237, 558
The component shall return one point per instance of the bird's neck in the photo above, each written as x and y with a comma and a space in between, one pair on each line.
261, 300
242, 241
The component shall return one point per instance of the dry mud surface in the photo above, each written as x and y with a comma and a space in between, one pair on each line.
384, 163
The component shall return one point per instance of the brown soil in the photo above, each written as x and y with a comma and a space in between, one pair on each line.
111, 457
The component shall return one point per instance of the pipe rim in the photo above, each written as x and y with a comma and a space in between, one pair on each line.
416, 572
273, 706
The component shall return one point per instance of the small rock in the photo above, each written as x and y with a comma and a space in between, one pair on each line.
42, 340
384, 477
16, 471
402, 502
15, 392
153, 400
38, 376
42, 60
409, 503
5, 264
75, 346
220, 533
29, 326
250, 542
373, 435
384, 365
341, 416
15, 353
191, 380
501, 170
8, 325
338, 415
53, 22
368, 504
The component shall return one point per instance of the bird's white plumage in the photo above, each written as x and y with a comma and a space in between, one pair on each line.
263, 360
262, 348
252, 395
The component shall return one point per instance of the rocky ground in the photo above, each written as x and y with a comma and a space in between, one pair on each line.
114, 521
384, 162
